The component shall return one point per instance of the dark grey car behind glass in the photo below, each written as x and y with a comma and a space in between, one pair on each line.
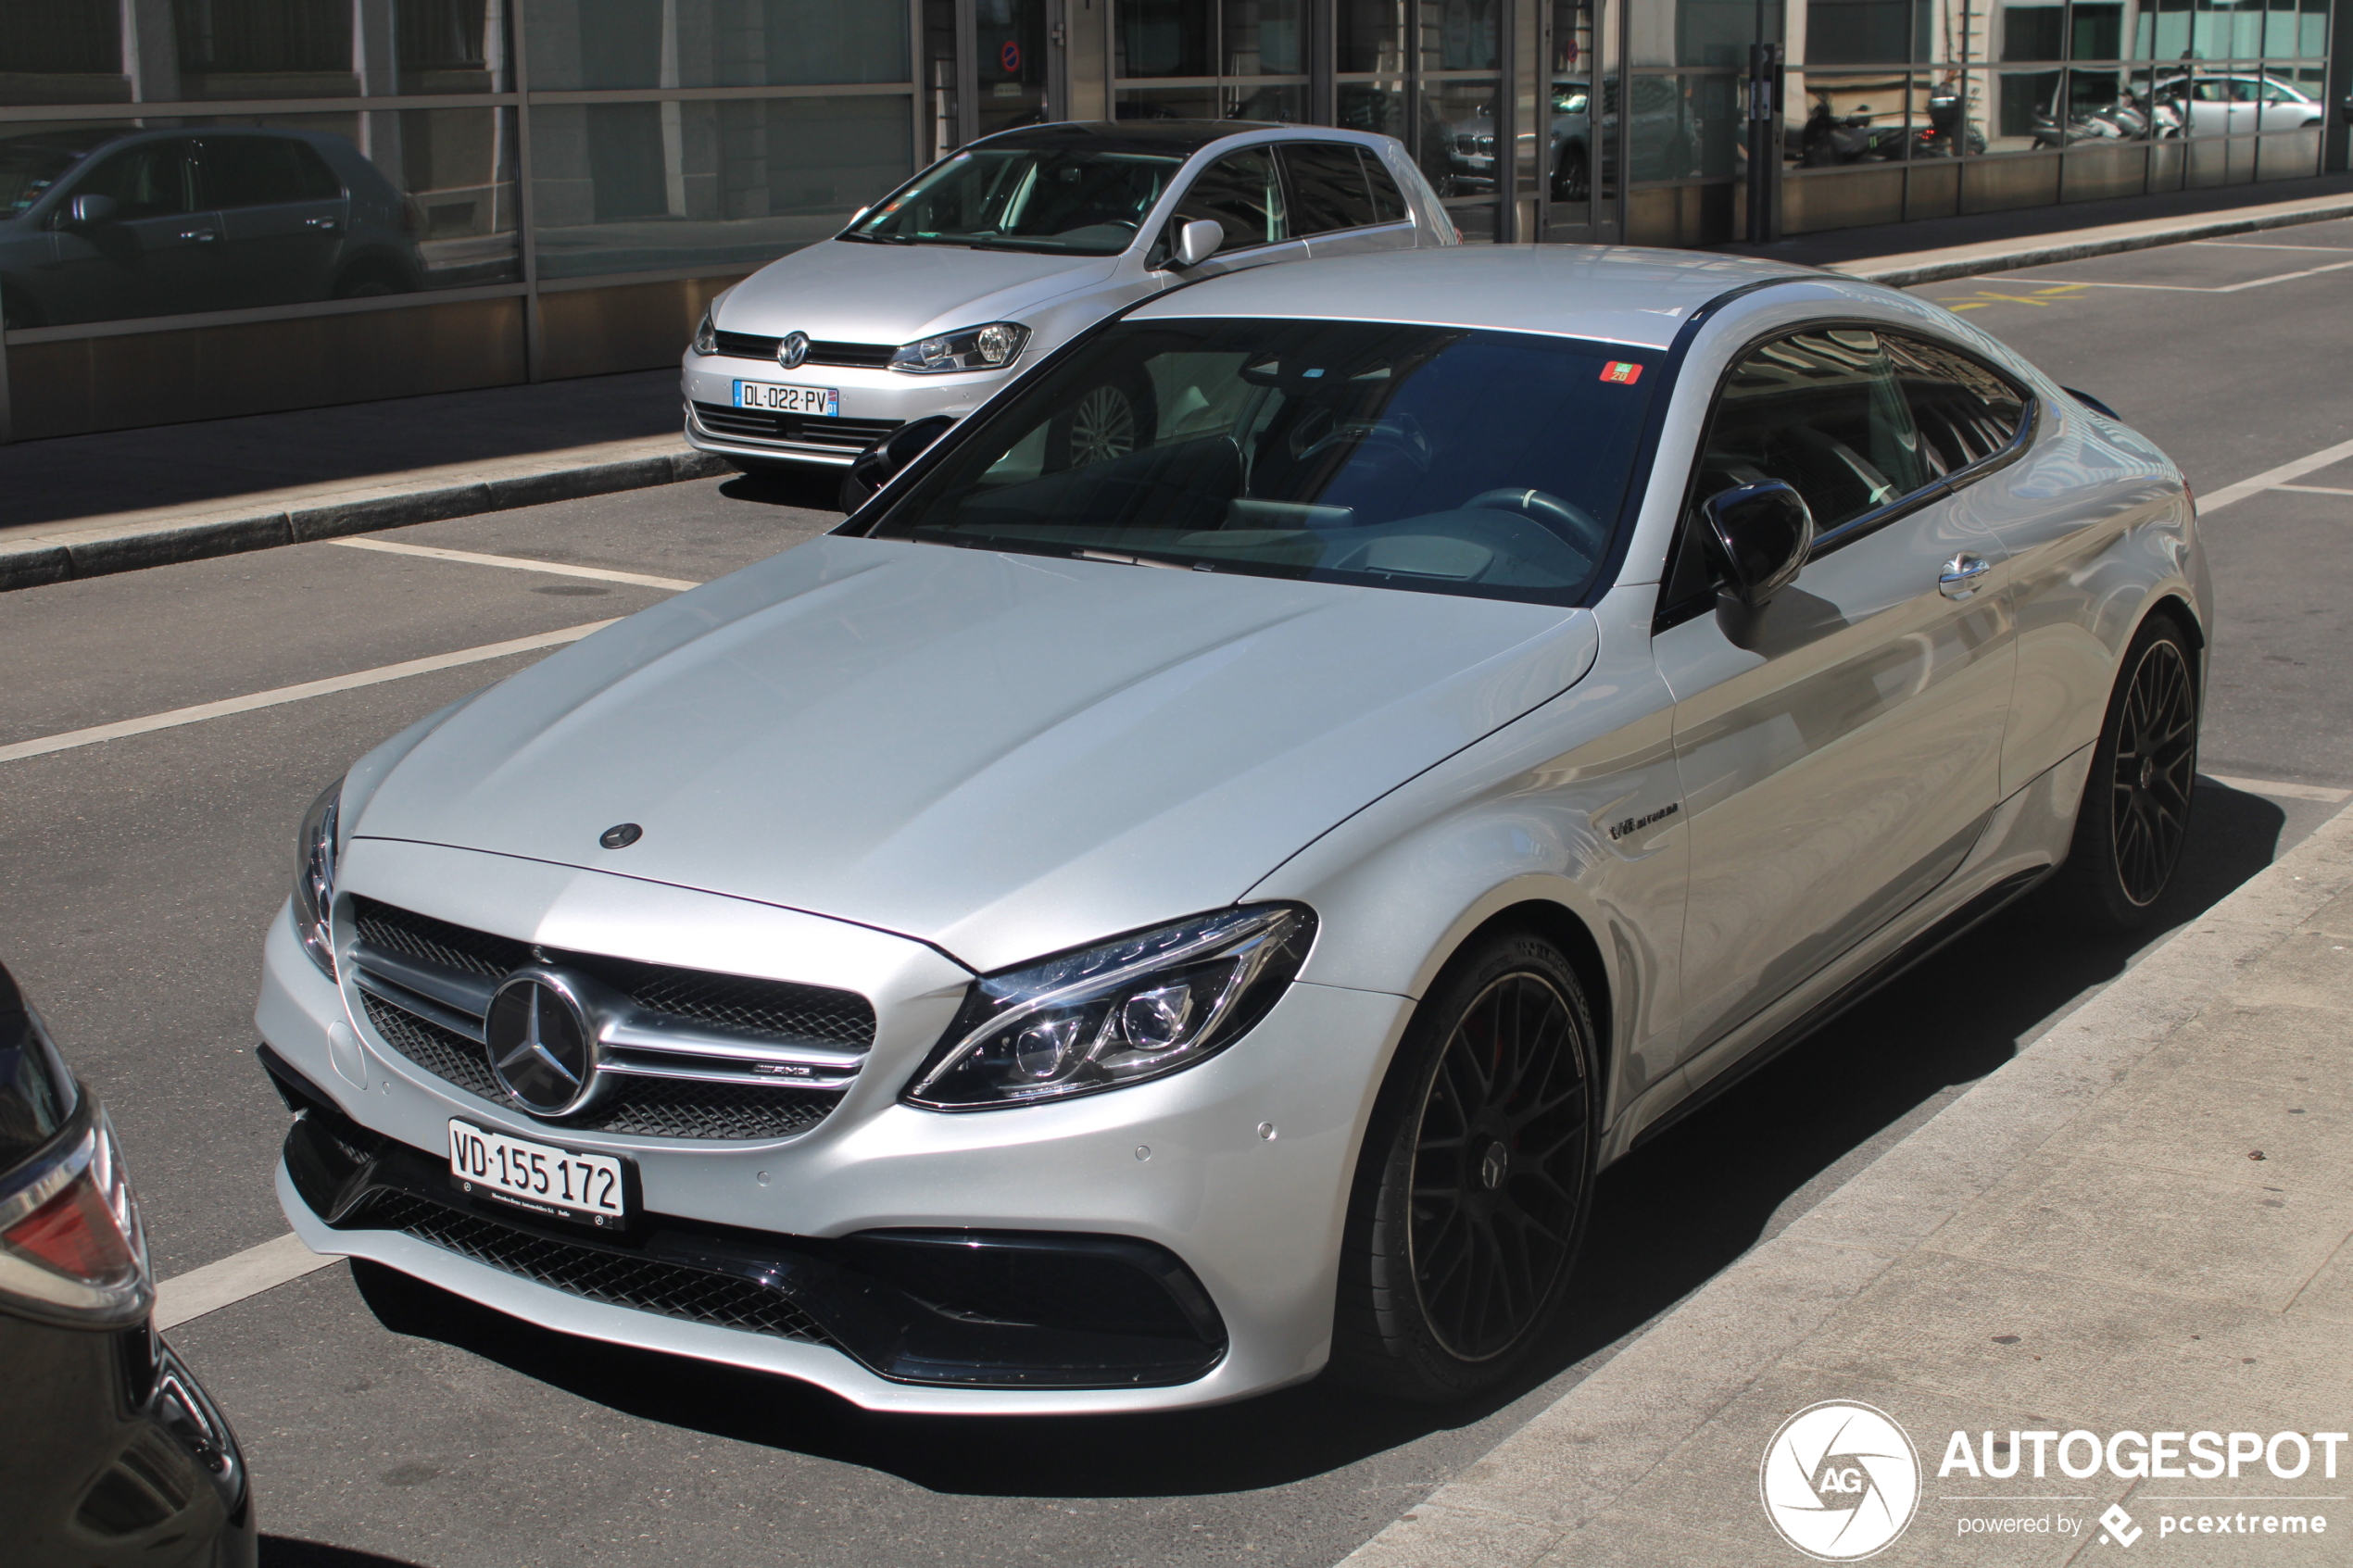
114, 1455
98, 225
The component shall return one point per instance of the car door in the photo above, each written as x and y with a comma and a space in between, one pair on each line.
1334, 202
1241, 193
283, 214
150, 255
1839, 747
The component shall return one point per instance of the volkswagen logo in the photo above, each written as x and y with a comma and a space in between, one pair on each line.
791, 349
543, 1047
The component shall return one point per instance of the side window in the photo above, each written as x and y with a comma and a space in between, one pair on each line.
263, 171
1389, 202
148, 180
1966, 413
1328, 181
1241, 194
1820, 410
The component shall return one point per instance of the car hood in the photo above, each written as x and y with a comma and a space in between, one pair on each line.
1000, 755
842, 291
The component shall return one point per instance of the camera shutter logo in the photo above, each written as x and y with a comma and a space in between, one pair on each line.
1840, 1481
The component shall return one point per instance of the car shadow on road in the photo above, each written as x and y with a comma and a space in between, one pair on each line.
1668, 1218
810, 489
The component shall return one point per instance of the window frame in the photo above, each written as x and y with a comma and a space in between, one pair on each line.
1164, 246
1667, 616
1290, 191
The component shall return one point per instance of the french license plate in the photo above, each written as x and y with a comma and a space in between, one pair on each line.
538, 1176
822, 402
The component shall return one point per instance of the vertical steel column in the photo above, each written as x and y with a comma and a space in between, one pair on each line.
526, 233
967, 72
2336, 155
1765, 84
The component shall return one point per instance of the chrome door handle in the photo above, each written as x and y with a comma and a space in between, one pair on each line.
328, 223
200, 235
1959, 578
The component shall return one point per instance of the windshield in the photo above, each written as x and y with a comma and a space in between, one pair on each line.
1077, 203
1439, 459
27, 171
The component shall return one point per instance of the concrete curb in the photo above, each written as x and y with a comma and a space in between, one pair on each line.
72, 554
1525, 1501
1969, 261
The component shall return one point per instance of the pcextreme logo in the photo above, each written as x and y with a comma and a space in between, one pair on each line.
1840, 1481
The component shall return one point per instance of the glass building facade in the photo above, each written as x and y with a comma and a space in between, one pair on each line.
218, 207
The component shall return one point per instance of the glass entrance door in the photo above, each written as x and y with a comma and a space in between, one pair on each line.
1581, 180
1009, 65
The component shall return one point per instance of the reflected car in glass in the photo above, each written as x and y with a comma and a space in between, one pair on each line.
117, 1455
1112, 930
96, 226
935, 296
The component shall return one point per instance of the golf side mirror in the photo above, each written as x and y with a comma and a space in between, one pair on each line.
877, 464
91, 208
1757, 537
1198, 241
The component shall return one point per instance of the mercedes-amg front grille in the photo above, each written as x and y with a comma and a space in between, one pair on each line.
648, 1285
682, 1053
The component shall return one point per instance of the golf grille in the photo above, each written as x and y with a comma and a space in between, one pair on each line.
849, 435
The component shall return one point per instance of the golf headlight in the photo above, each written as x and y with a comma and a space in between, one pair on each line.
706, 336
314, 888
991, 347
1100, 1018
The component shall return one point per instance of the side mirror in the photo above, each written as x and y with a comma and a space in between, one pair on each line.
1757, 536
879, 464
91, 208
1198, 241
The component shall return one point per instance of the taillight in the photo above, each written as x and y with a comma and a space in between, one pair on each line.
71, 1246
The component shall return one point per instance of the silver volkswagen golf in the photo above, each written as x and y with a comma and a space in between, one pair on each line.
1121, 933
935, 296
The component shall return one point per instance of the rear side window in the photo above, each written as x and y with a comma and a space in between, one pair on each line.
1241, 194
1966, 413
1327, 181
1389, 202
1822, 411
263, 171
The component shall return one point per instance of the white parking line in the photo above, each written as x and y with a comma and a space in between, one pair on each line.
2273, 478
2281, 790
2313, 489
2263, 245
516, 563
2196, 288
272, 698
234, 1278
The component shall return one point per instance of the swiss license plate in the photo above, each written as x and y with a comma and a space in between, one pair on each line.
822, 402
538, 1176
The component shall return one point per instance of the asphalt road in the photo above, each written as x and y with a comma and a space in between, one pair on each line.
386, 1422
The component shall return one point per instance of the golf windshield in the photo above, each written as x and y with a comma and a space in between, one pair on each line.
1440, 459
1080, 202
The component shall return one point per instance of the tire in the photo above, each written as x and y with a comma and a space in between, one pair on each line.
2135, 814
1109, 420
1472, 1191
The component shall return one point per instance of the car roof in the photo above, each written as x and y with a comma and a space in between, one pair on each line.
1175, 138
1615, 293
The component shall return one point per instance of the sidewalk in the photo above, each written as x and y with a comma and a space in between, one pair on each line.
2140, 1225
83, 506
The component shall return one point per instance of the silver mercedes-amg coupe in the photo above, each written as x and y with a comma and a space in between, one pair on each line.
1109, 929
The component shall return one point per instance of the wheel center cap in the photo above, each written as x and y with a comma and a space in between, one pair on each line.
2148, 770
1495, 1166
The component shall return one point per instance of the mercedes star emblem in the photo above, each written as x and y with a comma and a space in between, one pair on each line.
792, 349
543, 1048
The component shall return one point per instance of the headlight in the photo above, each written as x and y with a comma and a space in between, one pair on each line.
314, 888
706, 336
1103, 1017
976, 349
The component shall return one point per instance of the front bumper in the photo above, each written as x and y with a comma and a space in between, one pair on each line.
1176, 1168
874, 403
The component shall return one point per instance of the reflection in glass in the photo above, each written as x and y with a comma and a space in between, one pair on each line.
1169, 102
1053, 200
1264, 38
615, 44
1162, 38
641, 187
1282, 104
1370, 35
263, 210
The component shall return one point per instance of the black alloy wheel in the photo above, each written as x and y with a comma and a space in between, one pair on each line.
1476, 1178
2135, 814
